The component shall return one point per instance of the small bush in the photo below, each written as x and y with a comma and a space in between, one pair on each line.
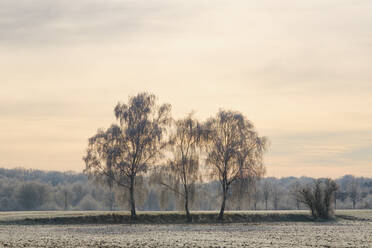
318, 197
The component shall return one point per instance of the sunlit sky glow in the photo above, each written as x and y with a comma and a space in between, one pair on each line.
300, 70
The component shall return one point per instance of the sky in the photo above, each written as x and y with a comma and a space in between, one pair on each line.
299, 70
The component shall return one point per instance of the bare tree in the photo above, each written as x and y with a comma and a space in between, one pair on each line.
276, 193
234, 150
318, 197
124, 151
256, 194
293, 190
65, 196
266, 191
182, 172
354, 190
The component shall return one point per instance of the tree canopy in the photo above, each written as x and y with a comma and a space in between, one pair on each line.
127, 149
234, 150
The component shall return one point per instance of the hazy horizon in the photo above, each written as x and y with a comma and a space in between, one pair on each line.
299, 70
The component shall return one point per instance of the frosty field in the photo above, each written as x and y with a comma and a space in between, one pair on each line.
350, 229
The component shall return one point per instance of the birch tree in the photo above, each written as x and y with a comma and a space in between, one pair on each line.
126, 150
181, 173
234, 150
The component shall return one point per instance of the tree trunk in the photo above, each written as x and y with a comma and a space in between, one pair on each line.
188, 215
220, 216
65, 200
112, 199
335, 200
266, 204
312, 212
132, 203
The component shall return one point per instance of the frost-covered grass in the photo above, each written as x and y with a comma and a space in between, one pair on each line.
22, 215
153, 217
167, 217
357, 213
338, 233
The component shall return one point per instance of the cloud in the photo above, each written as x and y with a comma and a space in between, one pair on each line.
322, 149
300, 70
45, 22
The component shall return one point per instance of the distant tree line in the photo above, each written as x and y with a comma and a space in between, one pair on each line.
24, 189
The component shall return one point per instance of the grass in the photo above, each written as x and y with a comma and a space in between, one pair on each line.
168, 217
168, 229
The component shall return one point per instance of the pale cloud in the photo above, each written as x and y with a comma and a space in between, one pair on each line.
300, 70
44, 22
317, 152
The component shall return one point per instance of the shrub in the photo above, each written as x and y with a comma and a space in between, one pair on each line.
318, 197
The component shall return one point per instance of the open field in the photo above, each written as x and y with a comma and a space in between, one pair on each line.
350, 229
